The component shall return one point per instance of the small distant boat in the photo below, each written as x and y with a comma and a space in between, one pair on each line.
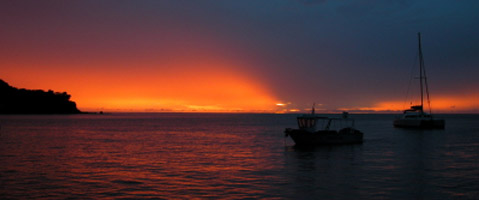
415, 117
316, 130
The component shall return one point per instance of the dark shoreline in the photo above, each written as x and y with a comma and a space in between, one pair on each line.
26, 101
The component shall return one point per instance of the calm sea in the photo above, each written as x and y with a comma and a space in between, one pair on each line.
230, 156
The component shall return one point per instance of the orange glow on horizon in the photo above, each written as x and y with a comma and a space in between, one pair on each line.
182, 87
444, 104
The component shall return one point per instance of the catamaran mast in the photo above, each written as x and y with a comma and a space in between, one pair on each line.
421, 62
422, 76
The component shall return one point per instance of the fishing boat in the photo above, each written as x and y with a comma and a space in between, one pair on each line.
416, 117
318, 130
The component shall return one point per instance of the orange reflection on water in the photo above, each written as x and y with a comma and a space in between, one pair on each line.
180, 165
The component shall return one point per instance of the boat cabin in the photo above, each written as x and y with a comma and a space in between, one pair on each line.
416, 112
313, 123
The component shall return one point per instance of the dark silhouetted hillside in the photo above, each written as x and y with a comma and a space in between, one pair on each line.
23, 101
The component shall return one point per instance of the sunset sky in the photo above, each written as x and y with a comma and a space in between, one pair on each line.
243, 55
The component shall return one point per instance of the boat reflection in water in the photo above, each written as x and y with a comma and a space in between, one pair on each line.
317, 130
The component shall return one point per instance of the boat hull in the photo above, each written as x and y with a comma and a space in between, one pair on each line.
306, 138
420, 123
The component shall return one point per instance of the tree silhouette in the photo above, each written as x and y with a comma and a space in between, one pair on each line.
23, 101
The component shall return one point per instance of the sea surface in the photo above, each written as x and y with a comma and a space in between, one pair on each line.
230, 156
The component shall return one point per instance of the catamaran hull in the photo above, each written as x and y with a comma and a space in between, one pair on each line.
306, 138
420, 123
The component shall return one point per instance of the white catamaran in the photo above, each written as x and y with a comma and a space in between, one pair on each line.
415, 117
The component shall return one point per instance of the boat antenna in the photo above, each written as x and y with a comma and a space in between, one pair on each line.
312, 110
